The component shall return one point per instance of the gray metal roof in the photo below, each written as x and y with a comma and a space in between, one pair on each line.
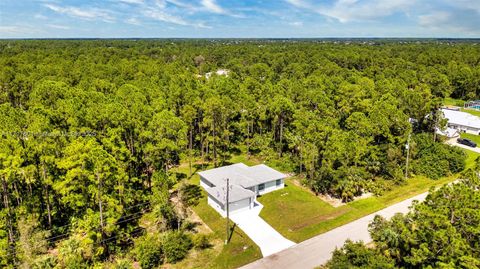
241, 174
236, 193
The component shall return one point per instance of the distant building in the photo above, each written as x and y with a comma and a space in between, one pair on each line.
462, 121
245, 183
219, 72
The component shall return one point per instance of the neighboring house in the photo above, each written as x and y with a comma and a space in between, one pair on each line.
462, 121
219, 72
448, 132
245, 183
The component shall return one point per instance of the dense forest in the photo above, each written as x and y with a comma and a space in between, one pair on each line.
90, 130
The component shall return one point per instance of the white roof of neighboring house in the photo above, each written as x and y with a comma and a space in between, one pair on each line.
449, 132
242, 175
461, 118
236, 193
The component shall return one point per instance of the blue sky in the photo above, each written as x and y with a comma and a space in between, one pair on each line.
239, 18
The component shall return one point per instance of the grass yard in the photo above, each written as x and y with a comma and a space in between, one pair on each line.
299, 215
471, 111
453, 102
474, 138
471, 157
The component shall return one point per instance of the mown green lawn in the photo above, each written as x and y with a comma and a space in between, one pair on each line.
471, 157
471, 111
453, 102
299, 215
474, 138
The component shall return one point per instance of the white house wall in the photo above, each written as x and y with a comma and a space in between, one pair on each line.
241, 205
462, 128
205, 183
234, 207
214, 203
271, 186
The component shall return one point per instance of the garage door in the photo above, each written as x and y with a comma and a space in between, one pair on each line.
240, 205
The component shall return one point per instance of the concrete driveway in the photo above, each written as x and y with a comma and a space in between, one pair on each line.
316, 251
453, 142
267, 238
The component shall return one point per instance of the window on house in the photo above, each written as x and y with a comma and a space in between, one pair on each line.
279, 182
261, 187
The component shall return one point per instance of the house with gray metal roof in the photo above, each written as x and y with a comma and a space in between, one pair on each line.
245, 183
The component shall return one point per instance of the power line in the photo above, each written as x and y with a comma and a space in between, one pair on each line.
131, 217
99, 228
11, 249
131, 233
70, 224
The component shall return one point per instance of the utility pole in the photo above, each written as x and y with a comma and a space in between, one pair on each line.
228, 217
407, 146
436, 126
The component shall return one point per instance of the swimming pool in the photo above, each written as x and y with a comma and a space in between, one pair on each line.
476, 107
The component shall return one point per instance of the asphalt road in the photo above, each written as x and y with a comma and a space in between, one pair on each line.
317, 250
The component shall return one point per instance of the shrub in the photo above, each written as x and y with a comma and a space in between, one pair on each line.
148, 251
175, 245
122, 264
434, 159
356, 255
200, 241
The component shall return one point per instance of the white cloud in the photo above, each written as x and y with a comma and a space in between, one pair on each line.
355, 10
466, 4
11, 29
161, 15
40, 17
351, 10
213, 7
16, 30
209, 6
56, 26
296, 23
136, 2
181, 4
433, 19
455, 21
298, 3
86, 13
133, 21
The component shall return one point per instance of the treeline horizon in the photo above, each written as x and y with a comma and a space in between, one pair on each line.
306, 39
